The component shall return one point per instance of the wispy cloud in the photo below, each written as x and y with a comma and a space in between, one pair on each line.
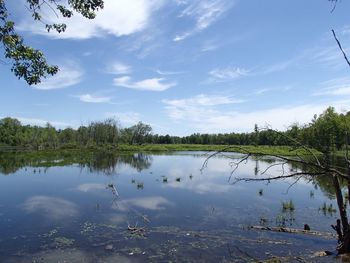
152, 84
167, 73
261, 91
69, 74
118, 18
338, 86
90, 187
277, 67
51, 207
329, 57
209, 119
196, 107
327, 54
149, 203
125, 118
93, 99
228, 73
118, 68
273, 89
202, 100
204, 13
210, 45
41, 122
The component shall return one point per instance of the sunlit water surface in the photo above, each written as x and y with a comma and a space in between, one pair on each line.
141, 207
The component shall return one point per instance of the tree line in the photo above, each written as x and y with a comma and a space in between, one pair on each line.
326, 132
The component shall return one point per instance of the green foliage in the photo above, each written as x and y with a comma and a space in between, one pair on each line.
27, 62
327, 209
325, 133
137, 134
288, 206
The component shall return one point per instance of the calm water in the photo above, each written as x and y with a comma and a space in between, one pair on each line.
69, 210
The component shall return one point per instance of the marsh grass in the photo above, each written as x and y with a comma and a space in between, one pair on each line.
288, 206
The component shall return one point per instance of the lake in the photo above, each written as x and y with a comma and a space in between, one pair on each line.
156, 208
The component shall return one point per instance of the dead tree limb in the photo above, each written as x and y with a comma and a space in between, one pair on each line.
335, 2
341, 48
293, 231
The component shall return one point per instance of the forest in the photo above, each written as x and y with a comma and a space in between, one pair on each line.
326, 132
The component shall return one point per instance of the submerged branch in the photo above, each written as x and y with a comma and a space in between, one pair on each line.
294, 231
268, 179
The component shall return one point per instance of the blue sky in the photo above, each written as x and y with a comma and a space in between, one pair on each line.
186, 66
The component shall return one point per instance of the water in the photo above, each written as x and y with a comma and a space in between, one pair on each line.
154, 208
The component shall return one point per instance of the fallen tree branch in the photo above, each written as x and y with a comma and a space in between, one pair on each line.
294, 231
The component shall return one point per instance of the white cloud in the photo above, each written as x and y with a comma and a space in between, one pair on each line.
90, 187
197, 107
335, 91
51, 207
277, 67
329, 57
125, 118
210, 45
69, 74
339, 86
201, 100
153, 84
118, 68
167, 73
204, 12
150, 203
93, 99
118, 18
228, 73
41, 122
206, 119
261, 91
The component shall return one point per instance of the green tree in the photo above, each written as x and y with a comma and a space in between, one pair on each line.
138, 133
27, 62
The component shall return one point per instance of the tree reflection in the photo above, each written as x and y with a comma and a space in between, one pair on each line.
105, 162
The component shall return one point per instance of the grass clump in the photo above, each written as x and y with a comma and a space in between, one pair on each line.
288, 206
327, 209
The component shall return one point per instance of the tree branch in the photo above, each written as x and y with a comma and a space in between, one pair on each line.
340, 47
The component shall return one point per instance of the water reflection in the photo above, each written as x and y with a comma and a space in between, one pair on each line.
51, 207
105, 162
90, 187
149, 203
185, 211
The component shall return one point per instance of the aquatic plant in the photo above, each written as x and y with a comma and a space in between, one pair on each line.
62, 242
312, 194
288, 206
282, 220
327, 209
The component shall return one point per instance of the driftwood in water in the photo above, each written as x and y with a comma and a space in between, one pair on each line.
294, 231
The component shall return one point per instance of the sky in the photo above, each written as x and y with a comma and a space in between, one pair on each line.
185, 66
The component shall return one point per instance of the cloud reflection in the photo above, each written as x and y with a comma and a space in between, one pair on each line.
51, 207
90, 187
150, 203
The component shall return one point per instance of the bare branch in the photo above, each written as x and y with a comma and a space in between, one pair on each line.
272, 165
334, 5
298, 144
268, 179
340, 47
292, 184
